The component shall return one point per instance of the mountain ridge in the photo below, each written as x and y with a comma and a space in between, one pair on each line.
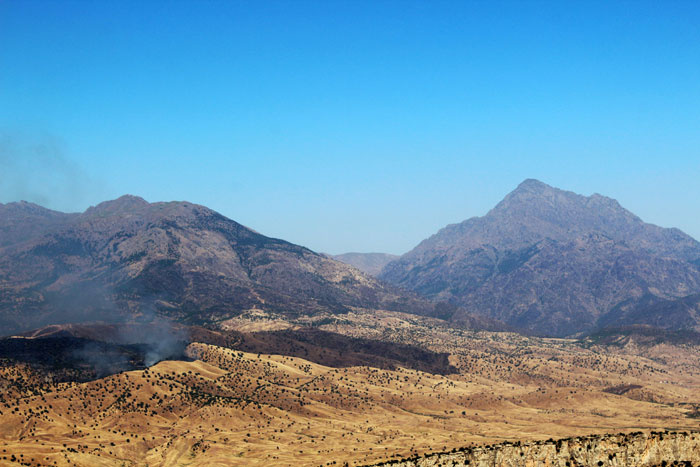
127, 257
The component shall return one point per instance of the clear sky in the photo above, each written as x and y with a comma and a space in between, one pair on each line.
351, 126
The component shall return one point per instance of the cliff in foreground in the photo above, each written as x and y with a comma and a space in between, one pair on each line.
632, 449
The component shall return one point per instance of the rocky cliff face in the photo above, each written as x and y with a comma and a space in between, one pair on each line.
551, 261
624, 450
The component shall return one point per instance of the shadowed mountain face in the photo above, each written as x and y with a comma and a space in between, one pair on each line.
178, 259
551, 261
677, 314
369, 263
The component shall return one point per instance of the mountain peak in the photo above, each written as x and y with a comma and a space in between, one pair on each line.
532, 196
549, 260
532, 184
122, 204
532, 188
25, 206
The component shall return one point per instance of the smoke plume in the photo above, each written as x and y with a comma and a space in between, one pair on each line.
161, 338
34, 167
103, 358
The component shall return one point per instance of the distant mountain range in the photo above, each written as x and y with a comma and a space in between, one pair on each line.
369, 263
544, 260
557, 263
129, 257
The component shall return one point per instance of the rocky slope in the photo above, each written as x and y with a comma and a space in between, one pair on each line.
182, 260
551, 261
680, 313
634, 449
369, 263
23, 221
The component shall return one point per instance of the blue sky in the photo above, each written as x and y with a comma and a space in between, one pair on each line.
351, 126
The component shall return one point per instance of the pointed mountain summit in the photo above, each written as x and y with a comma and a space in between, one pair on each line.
550, 261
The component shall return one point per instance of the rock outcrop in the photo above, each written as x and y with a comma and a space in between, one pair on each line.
634, 449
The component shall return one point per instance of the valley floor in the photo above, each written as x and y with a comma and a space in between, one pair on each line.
229, 407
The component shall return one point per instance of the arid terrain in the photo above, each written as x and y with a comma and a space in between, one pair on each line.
304, 405
349, 233
143, 333
639, 449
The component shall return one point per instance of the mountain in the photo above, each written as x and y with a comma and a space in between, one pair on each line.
128, 257
669, 314
23, 221
551, 261
369, 263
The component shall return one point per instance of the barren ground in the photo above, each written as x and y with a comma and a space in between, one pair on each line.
229, 407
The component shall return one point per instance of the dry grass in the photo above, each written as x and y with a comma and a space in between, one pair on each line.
234, 408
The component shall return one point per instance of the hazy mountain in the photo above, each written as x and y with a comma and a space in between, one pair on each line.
178, 259
550, 261
23, 221
369, 263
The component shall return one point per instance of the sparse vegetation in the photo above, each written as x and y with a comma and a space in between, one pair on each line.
290, 399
